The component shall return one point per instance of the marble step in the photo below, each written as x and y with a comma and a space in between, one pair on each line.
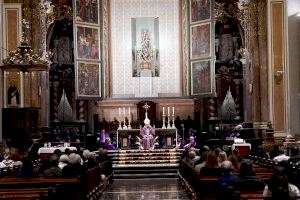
146, 175
146, 161
134, 154
145, 158
146, 165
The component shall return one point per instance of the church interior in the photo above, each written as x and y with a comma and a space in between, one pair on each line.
149, 99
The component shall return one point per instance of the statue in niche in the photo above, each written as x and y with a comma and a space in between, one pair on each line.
145, 54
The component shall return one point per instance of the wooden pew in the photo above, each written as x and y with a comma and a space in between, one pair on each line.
66, 188
25, 193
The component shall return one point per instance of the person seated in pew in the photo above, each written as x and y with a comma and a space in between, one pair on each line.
281, 156
228, 177
54, 170
235, 163
63, 161
247, 179
91, 161
279, 187
211, 166
74, 168
27, 170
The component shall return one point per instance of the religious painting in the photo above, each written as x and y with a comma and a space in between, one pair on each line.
87, 38
201, 83
200, 42
88, 79
13, 89
200, 10
145, 46
87, 11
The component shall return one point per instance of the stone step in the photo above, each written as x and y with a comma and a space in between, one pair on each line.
145, 158
146, 165
146, 175
146, 161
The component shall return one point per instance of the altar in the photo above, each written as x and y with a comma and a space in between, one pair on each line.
166, 138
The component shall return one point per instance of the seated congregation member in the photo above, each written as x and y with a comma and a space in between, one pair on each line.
281, 157
74, 168
247, 179
278, 187
54, 170
63, 161
102, 155
228, 177
27, 170
211, 165
193, 157
7, 162
222, 157
91, 161
235, 163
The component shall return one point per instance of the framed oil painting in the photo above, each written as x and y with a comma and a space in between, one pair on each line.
88, 79
87, 11
200, 10
88, 45
201, 77
12, 87
200, 42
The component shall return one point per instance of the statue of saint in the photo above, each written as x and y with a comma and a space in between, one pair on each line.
148, 136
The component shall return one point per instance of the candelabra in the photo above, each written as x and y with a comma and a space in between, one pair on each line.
120, 125
164, 121
129, 125
173, 124
168, 125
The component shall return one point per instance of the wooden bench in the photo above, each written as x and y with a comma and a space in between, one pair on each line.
25, 193
64, 187
92, 178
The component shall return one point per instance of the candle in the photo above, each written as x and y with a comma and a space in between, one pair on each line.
168, 111
129, 114
119, 112
173, 110
124, 111
163, 111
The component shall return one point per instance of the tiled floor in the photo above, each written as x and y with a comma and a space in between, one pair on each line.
145, 189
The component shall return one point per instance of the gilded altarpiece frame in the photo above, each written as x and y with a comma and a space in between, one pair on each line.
202, 66
87, 49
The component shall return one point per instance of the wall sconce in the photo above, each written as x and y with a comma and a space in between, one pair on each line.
278, 76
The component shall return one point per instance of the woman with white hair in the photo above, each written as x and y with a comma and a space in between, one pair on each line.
63, 161
74, 168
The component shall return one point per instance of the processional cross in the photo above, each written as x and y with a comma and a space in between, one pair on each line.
146, 107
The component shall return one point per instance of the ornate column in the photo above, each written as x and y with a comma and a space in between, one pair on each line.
55, 101
237, 99
81, 110
47, 17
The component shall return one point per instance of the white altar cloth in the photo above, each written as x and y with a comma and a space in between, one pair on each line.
50, 150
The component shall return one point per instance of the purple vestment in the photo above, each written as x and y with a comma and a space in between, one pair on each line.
148, 137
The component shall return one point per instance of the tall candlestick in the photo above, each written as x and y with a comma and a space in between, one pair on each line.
129, 114
173, 110
163, 110
124, 111
119, 112
168, 111
129, 118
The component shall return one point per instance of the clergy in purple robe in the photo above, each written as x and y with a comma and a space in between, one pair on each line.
147, 135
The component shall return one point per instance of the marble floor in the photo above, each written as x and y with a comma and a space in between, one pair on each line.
145, 189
